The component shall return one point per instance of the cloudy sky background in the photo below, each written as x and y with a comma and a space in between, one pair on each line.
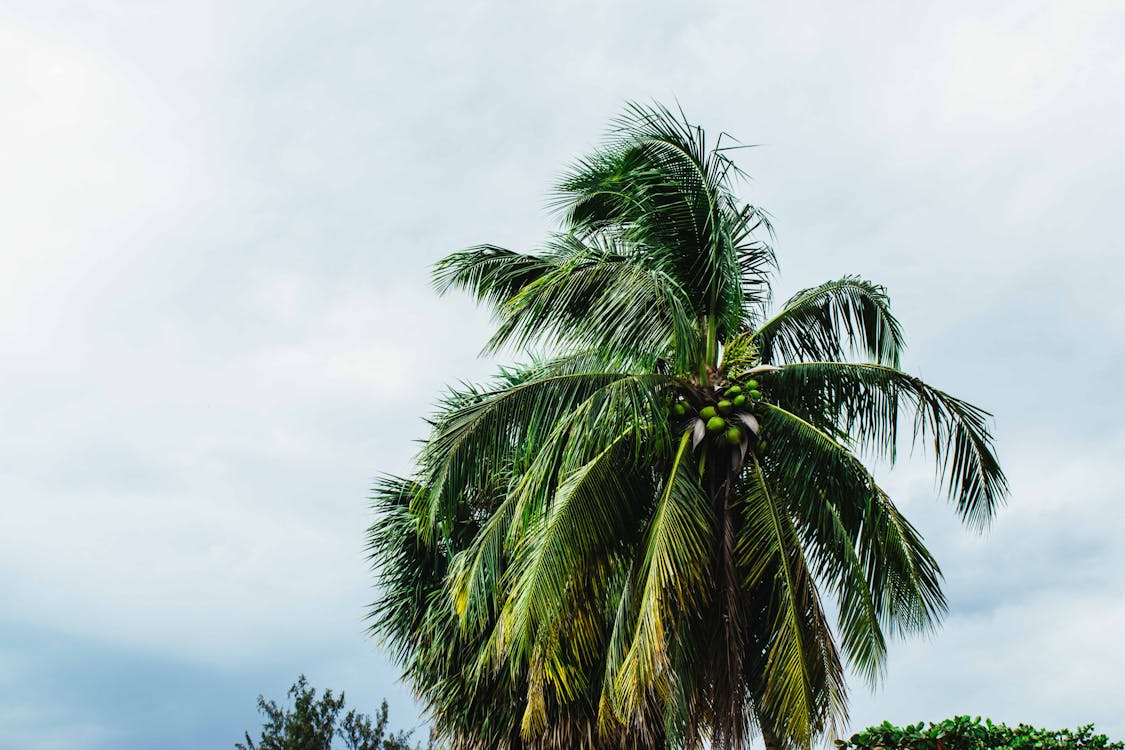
216, 224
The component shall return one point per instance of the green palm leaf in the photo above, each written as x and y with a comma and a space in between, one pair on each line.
866, 398
802, 685
660, 186
825, 322
861, 546
672, 575
587, 518
490, 273
478, 437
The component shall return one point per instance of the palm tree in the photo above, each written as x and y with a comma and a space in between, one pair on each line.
628, 541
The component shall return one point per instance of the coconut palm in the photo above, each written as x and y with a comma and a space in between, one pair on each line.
629, 541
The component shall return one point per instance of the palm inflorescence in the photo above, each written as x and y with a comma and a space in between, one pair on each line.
629, 541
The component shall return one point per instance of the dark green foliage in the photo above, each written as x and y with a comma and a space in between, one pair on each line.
965, 733
312, 723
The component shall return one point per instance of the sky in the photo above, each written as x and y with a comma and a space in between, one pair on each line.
217, 221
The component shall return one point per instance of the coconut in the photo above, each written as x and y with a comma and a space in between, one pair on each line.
734, 390
755, 394
707, 412
739, 400
680, 409
734, 435
724, 406
751, 384
714, 424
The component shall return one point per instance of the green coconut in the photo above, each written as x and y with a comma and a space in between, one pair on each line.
734, 390
751, 384
739, 400
714, 424
707, 412
680, 409
734, 435
755, 394
724, 406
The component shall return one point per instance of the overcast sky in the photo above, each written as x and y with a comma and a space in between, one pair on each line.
216, 225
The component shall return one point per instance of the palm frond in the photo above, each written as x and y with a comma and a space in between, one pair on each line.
866, 398
476, 573
829, 321
634, 406
675, 549
602, 299
491, 274
479, 439
752, 235
660, 185
802, 685
860, 545
623, 622
586, 518
402, 563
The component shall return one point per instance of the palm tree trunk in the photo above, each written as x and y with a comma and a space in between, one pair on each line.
769, 739
725, 662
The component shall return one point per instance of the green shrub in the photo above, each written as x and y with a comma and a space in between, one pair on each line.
965, 733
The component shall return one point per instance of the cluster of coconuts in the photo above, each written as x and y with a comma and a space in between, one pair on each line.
714, 415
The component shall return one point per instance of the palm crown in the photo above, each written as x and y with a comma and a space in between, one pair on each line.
626, 542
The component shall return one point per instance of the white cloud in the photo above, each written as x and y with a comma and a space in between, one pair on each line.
216, 327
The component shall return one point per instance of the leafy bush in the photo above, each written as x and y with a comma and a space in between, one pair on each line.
965, 733
313, 722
